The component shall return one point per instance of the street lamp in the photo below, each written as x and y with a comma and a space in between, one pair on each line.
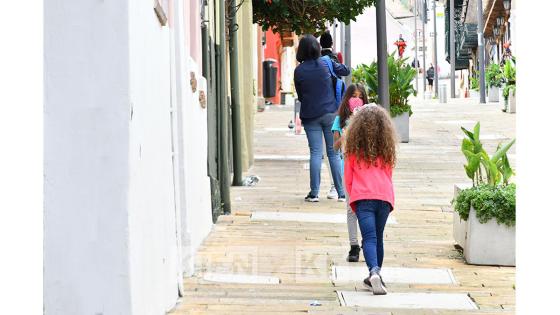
507, 4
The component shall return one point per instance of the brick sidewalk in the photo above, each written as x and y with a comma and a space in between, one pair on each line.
300, 255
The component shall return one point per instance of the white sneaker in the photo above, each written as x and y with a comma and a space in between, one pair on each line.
377, 286
333, 194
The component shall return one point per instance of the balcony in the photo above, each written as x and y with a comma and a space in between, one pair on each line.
465, 33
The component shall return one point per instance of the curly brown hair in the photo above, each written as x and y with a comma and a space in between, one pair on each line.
371, 135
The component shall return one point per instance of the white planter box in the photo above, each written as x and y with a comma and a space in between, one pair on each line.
475, 95
494, 94
502, 99
511, 102
428, 95
459, 226
489, 243
402, 126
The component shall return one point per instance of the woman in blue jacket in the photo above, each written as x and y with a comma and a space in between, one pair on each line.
314, 87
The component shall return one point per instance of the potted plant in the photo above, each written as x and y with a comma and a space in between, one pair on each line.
401, 75
305, 17
474, 86
509, 89
487, 209
494, 80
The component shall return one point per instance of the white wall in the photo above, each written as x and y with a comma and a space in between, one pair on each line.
288, 55
191, 125
154, 256
86, 124
113, 217
198, 214
179, 89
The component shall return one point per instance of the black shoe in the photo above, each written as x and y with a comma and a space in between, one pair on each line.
311, 198
354, 254
367, 284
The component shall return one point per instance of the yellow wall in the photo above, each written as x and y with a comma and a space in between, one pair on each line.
247, 85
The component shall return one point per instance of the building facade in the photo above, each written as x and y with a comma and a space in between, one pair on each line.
135, 171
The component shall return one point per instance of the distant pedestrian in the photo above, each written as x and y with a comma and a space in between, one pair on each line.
354, 97
506, 52
313, 83
369, 159
415, 63
430, 76
326, 42
401, 45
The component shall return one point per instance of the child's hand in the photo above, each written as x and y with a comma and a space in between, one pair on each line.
337, 144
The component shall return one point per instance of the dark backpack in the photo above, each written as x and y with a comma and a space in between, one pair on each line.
430, 73
338, 84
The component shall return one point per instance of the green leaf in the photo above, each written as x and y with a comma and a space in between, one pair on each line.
473, 163
477, 132
468, 133
502, 151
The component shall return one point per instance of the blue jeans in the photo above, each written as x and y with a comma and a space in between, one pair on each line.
316, 129
372, 216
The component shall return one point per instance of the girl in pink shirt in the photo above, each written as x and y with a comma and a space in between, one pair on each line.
369, 159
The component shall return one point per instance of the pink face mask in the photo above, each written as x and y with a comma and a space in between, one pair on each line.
355, 102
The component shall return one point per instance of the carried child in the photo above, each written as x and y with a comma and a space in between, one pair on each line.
369, 159
354, 97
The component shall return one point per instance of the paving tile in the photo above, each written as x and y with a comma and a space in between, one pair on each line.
395, 275
486, 137
448, 301
456, 122
240, 278
304, 217
280, 157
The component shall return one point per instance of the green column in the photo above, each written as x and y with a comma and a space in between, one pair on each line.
223, 113
235, 99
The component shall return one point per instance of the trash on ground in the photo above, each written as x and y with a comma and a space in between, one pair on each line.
251, 180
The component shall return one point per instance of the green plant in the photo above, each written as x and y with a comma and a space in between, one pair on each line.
305, 17
488, 202
497, 169
367, 75
475, 83
494, 75
507, 89
509, 77
492, 196
401, 75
